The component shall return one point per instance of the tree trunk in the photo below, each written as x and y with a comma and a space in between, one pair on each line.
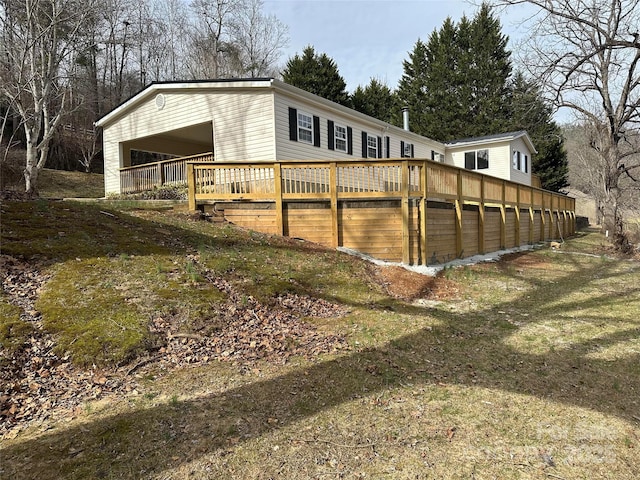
31, 170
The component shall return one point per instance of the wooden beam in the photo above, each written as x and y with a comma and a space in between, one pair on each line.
481, 219
503, 217
543, 219
532, 223
333, 190
458, 204
277, 179
406, 252
423, 215
191, 187
517, 215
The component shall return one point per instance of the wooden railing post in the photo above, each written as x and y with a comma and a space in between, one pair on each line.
191, 187
481, 212
503, 217
543, 219
160, 174
458, 208
333, 190
423, 215
517, 215
277, 180
406, 254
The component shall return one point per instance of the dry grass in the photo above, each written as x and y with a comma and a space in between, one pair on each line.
51, 183
525, 368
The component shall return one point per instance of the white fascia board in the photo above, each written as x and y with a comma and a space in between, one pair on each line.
493, 140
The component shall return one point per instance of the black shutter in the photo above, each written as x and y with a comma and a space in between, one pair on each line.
412, 155
316, 131
379, 147
433, 155
401, 149
387, 142
349, 140
364, 144
330, 135
293, 124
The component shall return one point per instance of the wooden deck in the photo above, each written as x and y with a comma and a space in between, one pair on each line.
411, 211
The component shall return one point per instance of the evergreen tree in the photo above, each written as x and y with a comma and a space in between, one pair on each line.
317, 74
530, 112
376, 100
456, 83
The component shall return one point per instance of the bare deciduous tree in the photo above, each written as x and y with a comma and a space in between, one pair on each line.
233, 38
587, 55
38, 37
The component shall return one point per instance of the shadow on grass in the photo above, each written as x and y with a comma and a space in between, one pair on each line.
463, 349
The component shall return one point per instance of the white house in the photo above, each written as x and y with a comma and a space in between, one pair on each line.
505, 155
265, 119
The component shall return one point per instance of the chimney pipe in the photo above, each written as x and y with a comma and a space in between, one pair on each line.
405, 118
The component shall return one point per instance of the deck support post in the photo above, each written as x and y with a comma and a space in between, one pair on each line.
406, 253
458, 207
333, 189
503, 217
423, 215
191, 187
543, 220
532, 222
277, 179
481, 219
517, 215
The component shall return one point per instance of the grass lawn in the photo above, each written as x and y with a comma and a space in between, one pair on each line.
56, 184
525, 368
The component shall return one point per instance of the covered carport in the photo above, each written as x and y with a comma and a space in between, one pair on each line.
182, 142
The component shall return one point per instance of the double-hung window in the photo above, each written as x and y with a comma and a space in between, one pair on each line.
372, 146
406, 150
340, 138
476, 160
305, 127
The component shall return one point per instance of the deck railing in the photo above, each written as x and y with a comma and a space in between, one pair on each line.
153, 175
416, 183
292, 180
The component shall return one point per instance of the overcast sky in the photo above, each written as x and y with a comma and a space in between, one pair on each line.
371, 38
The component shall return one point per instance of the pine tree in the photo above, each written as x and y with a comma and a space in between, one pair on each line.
376, 100
457, 83
317, 74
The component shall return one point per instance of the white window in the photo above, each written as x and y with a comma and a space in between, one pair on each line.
476, 160
408, 150
305, 127
520, 161
372, 146
340, 138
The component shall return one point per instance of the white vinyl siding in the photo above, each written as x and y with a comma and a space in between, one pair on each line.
520, 176
292, 150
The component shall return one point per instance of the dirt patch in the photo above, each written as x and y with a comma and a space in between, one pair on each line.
407, 285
